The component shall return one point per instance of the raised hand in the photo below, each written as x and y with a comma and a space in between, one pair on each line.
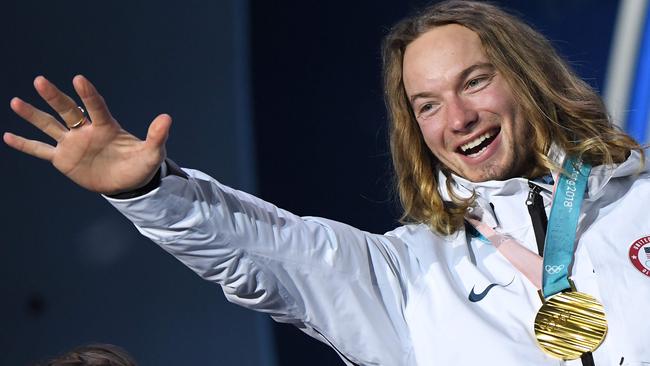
97, 154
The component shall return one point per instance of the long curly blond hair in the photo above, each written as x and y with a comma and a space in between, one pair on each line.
558, 106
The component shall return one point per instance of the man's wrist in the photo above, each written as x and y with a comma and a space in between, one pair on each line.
168, 167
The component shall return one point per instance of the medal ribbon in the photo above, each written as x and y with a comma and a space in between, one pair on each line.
527, 262
560, 239
562, 225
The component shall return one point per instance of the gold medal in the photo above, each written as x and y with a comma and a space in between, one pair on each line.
570, 324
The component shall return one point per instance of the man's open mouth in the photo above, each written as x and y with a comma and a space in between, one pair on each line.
479, 144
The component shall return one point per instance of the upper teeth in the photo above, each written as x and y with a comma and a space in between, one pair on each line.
477, 141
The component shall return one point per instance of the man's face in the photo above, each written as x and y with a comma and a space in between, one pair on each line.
464, 107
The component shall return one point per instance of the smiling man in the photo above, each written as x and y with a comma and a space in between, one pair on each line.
468, 117
491, 133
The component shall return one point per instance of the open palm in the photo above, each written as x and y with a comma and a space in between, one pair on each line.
99, 155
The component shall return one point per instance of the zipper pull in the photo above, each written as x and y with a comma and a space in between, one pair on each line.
534, 191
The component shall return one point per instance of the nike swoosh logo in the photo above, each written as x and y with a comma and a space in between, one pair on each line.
474, 297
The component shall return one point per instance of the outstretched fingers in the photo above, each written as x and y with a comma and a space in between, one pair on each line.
92, 100
35, 148
43, 121
65, 106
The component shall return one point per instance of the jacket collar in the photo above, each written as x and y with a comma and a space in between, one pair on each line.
492, 190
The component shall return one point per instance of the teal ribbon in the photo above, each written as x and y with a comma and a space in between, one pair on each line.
563, 222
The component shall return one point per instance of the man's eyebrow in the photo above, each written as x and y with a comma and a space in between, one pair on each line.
483, 65
420, 95
462, 76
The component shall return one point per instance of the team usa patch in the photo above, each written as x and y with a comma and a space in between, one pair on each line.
640, 255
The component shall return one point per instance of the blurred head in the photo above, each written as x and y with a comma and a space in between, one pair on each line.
94, 355
474, 91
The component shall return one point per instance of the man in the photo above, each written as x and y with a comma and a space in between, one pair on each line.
482, 113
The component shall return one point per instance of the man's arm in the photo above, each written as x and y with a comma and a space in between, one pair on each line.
336, 283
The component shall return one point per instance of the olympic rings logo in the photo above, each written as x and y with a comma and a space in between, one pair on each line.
553, 269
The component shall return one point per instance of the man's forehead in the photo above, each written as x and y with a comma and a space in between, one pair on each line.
442, 54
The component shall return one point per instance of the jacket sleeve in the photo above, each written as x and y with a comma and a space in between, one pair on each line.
339, 284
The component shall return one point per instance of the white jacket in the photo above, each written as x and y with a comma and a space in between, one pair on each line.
402, 298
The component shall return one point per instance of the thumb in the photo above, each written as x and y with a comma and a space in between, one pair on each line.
159, 131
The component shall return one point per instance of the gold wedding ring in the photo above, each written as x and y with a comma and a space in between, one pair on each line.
81, 121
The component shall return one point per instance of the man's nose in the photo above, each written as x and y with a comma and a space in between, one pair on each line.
461, 115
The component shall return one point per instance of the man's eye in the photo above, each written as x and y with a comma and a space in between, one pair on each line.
477, 82
474, 83
425, 109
